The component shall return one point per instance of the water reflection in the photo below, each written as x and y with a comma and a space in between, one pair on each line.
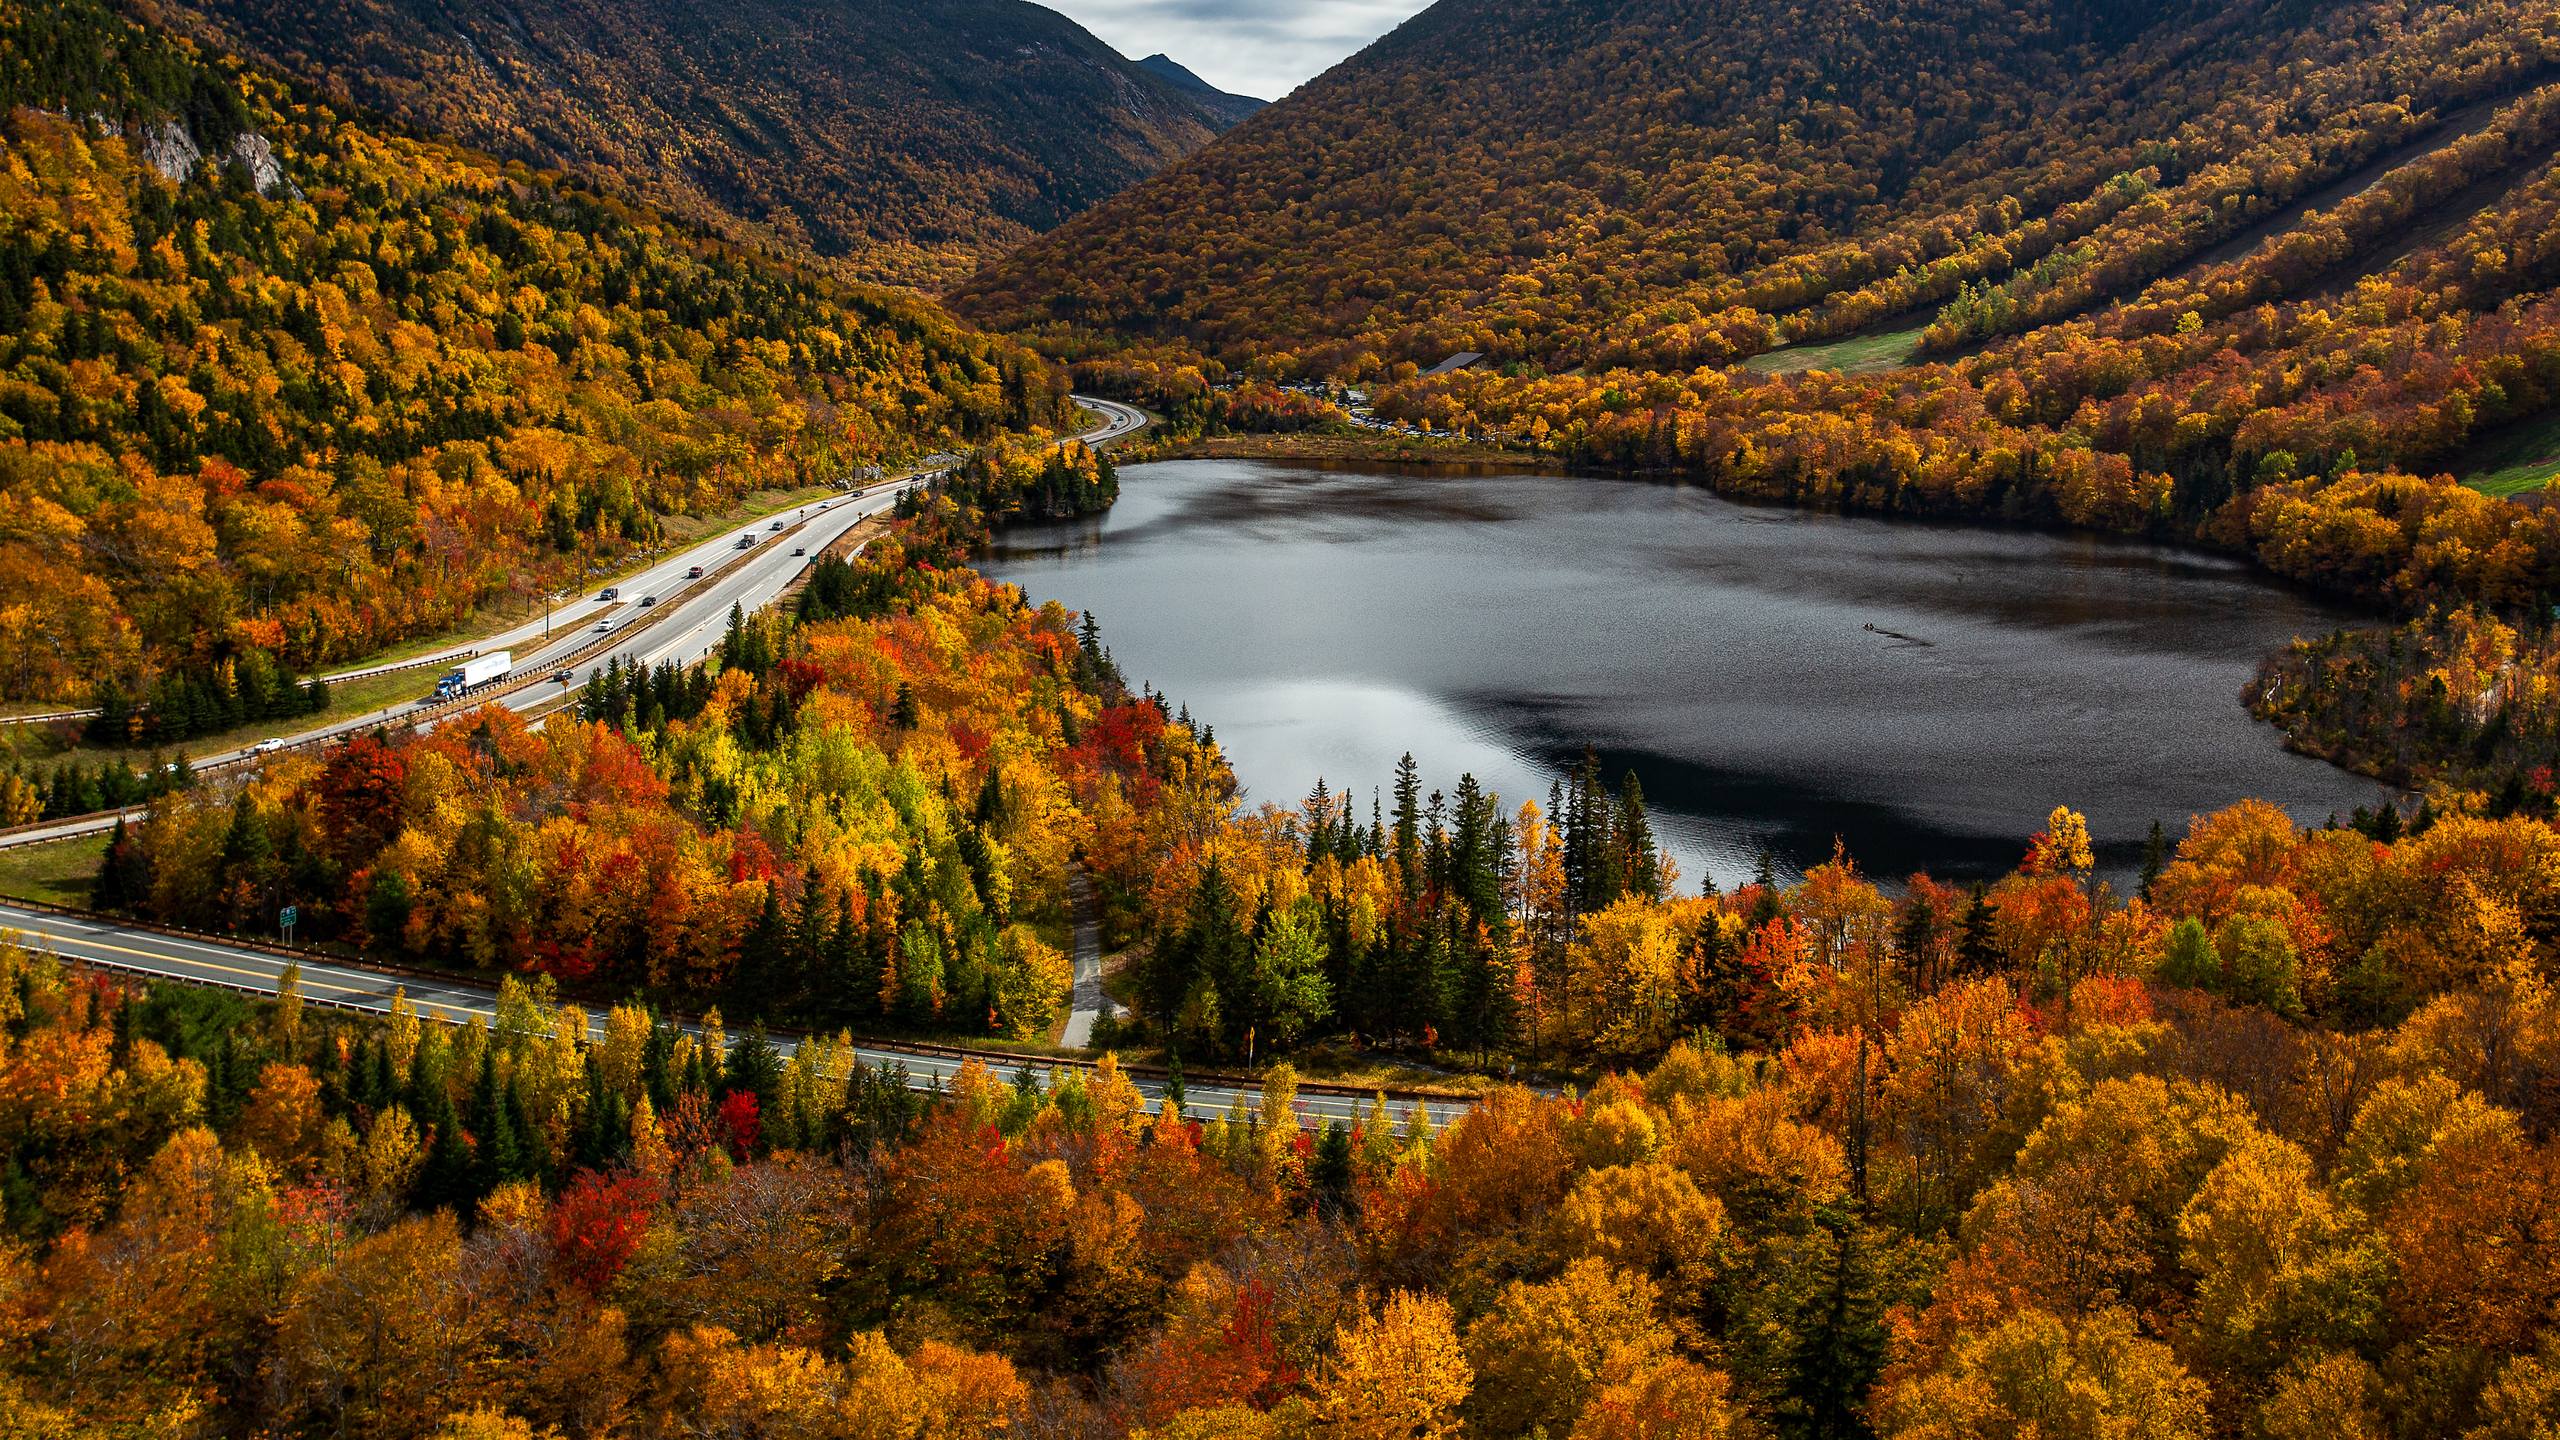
1776, 678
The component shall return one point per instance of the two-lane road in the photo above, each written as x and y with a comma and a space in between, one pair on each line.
101, 941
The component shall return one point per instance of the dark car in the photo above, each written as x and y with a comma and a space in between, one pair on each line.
648, 600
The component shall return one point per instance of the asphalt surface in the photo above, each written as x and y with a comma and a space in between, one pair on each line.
698, 614
1088, 1001
685, 625
210, 961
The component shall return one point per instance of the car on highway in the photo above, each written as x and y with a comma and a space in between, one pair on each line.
564, 677
694, 574
266, 747
800, 550
610, 593
648, 600
746, 542
776, 525
603, 625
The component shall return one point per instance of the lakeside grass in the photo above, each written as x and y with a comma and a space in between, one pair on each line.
58, 872
1341, 446
1857, 355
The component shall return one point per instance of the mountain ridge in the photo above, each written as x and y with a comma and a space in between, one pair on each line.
897, 144
1563, 184
1236, 108
284, 387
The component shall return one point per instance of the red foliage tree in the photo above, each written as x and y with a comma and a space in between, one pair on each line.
598, 1223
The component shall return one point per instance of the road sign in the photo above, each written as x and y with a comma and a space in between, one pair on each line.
291, 914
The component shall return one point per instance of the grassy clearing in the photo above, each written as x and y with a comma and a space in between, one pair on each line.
54, 744
2520, 461
1857, 355
683, 530
59, 872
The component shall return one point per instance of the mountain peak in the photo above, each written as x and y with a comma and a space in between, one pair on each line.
1230, 107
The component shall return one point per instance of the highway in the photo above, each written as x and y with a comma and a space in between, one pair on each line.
205, 960
684, 626
688, 622
662, 577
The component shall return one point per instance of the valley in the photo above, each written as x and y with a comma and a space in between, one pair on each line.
1643, 720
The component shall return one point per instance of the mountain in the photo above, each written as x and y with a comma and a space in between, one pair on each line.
282, 387
903, 142
1678, 182
2264, 278
1234, 109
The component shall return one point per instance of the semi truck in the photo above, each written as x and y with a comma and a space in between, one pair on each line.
475, 672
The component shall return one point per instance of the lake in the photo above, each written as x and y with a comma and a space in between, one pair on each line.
1776, 678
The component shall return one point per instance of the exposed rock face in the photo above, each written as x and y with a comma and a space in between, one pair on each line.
173, 155
170, 151
265, 171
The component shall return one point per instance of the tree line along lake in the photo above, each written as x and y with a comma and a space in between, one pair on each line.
1777, 679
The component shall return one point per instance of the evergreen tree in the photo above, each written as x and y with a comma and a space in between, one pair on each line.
1641, 857
1476, 856
2155, 858
1841, 1343
755, 1067
124, 876
757, 986
1408, 825
498, 1154
1915, 939
1330, 1176
445, 1178
1977, 949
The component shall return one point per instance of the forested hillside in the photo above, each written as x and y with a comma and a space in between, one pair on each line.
864, 814
2044, 1163
905, 142
2259, 277
1564, 183
278, 381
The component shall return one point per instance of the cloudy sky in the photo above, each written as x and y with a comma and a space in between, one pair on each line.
1252, 47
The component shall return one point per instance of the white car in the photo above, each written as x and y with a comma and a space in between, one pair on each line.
266, 747
603, 625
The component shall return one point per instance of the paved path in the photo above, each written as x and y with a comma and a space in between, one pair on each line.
1090, 1002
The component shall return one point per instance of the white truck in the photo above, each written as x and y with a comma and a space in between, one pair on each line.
475, 672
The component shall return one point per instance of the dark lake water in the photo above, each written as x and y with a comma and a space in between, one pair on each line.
1775, 677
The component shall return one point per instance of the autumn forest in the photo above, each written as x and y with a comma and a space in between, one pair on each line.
812, 1031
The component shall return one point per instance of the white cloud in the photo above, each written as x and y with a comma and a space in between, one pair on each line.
1252, 47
